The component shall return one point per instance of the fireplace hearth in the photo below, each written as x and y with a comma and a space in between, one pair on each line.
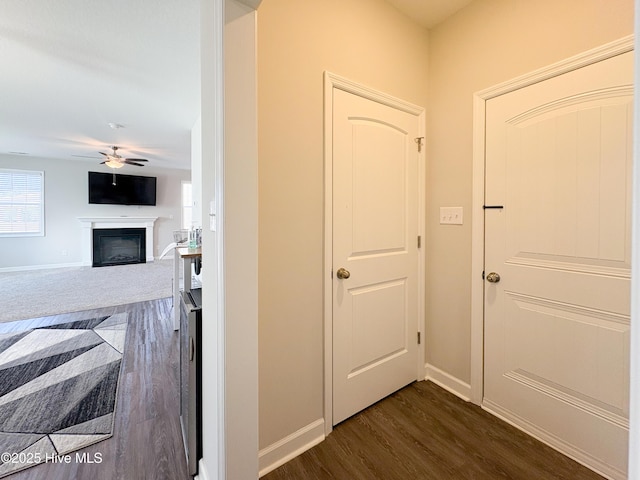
118, 246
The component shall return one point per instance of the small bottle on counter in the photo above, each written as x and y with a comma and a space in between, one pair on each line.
193, 238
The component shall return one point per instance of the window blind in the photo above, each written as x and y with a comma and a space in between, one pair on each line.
21, 202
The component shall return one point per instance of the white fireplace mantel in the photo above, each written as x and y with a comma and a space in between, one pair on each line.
91, 223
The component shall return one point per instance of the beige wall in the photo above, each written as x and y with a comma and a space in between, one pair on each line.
240, 242
369, 42
488, 42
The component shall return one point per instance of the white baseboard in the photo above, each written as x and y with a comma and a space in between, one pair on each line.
40, 267
554, 442
282, 451
448, 382
62, 265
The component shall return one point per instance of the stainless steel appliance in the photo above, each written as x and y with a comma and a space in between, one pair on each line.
191, 376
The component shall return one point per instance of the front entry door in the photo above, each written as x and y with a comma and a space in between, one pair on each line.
557, 260
375, 251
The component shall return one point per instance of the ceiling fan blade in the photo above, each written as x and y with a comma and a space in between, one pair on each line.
137, 159
102, 153
102, 163
134, 163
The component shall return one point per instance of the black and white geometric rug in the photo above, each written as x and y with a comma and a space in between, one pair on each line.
58, 387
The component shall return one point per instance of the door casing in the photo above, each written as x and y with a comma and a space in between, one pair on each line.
609, 50
332, 81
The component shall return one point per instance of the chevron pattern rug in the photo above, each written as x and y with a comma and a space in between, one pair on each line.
58, 387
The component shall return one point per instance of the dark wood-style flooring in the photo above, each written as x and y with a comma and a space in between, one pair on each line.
147, 440
420, 432
425, 432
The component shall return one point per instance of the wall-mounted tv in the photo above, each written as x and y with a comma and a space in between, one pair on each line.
116, 189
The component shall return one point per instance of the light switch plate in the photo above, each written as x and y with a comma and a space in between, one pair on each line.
450, 215
213, 225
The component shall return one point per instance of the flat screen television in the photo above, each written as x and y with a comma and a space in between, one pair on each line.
128, 189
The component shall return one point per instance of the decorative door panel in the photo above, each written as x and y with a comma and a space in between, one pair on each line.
375, 215
558, 159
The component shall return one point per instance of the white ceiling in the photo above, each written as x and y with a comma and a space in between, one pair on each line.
429, 13
72, 67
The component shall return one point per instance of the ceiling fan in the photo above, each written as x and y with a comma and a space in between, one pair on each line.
117, 161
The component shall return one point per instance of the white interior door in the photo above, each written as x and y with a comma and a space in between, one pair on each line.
375, 228
558, 159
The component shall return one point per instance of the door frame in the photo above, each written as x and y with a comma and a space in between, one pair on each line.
332, 81
618, 47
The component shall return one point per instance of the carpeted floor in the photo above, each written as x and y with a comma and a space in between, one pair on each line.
37, 293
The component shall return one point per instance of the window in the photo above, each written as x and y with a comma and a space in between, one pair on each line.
187, 205
21, 203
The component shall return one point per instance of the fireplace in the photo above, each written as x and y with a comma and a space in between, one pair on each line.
90, 224
118, 246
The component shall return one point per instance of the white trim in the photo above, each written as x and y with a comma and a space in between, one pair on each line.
634, 347
341, 83
216, 154
332, 81
595, 55
477, 253
202, 471
328, 254
291, 446
193, 222
96, 223
422, 258
40, 267
448, 382
121, 219
49, 266
214, 461
554, 442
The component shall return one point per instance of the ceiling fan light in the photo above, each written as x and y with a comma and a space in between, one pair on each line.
114, 163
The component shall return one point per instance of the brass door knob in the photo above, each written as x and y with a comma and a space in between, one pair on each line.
493, 277
343, 273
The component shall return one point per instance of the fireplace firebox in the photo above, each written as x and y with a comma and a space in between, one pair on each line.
119, 246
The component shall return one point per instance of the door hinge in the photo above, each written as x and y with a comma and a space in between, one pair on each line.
419, 241
419, 140
483, 274
418, 338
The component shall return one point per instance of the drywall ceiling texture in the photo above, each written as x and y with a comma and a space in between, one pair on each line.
70, 67
367, 41
486, 43
429, 13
